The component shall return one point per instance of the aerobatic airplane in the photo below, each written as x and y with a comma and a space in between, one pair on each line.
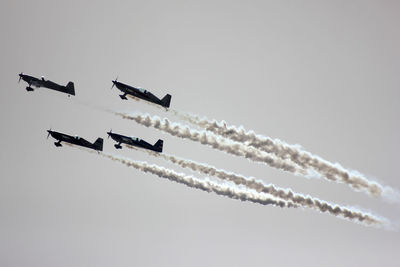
33, 81
134, 141
75, 140
141, 93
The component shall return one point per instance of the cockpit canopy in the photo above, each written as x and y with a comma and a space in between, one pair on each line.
142, 90
135, 139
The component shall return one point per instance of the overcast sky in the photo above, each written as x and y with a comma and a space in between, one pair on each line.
322, 74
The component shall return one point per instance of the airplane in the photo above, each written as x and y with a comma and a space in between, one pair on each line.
141, 93
134, 141
33, 81
75, 140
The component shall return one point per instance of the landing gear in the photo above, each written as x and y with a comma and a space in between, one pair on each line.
57, 144
117, 146
29, 89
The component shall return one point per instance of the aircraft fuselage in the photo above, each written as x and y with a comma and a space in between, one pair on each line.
142, 94
134, 141
36, 82
76, 140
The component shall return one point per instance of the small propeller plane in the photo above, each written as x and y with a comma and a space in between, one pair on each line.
134, 141
75, 140
33, 81
141, 93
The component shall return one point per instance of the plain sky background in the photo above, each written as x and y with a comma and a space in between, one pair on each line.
322, 74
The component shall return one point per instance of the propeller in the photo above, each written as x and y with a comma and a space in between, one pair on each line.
110, 132
49, 131
20, 76
116, 79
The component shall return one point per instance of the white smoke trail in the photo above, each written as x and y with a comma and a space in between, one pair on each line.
294, 153
239, 149
284, 194
208, 138
257, 193
243, 194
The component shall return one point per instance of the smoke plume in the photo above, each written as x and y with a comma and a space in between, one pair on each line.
243, 194
249, 189
285, 194
294, 153
216, 142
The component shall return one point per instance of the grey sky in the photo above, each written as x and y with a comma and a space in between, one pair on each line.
322, 74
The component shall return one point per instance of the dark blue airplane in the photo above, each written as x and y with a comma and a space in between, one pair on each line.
75, 140
134, 141
33, 81
141, 93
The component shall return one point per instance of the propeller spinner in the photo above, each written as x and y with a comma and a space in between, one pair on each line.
114, 81
49, 131
110, 132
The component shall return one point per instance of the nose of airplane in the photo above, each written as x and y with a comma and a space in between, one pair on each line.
114, 82
109, 133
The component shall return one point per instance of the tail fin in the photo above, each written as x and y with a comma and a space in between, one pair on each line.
159, 145
98, 144
71, 88
166, 100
